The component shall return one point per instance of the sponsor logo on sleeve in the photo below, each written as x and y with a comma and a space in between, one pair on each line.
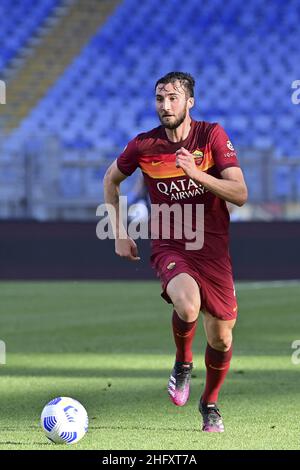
231, 148
229, 145
229, 154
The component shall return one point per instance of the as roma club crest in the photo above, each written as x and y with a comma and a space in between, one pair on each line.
198, 157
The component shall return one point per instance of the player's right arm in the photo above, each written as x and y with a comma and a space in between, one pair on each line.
124, 245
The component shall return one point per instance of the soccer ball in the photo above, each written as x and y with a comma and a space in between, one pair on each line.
64, 420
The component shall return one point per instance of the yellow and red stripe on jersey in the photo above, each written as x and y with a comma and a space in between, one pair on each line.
164, 165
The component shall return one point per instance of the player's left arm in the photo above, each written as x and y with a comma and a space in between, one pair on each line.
231, 187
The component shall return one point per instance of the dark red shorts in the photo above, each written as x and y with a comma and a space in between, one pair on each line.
213, 276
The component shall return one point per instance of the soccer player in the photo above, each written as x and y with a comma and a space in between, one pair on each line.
188, 162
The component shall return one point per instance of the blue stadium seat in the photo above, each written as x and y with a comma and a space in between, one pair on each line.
27, 19
243, 63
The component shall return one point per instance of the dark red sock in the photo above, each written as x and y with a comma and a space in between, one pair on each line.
217, 365
184, 333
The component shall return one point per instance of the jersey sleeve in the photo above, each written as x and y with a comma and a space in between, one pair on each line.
223, 151
127, 162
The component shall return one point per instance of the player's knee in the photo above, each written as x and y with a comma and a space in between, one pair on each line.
188, 311
221, 342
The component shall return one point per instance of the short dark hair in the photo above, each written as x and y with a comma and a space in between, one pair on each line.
186, 80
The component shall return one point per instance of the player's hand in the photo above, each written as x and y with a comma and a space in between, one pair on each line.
126, 248
186, 161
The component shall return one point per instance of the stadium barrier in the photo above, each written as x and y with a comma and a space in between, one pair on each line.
71, 250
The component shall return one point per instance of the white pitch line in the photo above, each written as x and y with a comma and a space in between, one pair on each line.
266, 284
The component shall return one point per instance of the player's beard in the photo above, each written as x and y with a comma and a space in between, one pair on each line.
174, 124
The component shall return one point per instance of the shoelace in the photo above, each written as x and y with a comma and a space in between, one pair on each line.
213, 415
182, 373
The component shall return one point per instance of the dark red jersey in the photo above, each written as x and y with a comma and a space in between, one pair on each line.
155, 155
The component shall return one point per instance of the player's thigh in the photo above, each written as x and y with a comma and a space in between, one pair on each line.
184, 292
218, 332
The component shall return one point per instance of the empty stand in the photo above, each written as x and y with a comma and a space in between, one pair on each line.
244, 58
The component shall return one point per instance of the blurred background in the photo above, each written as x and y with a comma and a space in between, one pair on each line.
79, 81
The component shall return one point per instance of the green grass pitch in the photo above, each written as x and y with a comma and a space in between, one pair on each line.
109, 345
